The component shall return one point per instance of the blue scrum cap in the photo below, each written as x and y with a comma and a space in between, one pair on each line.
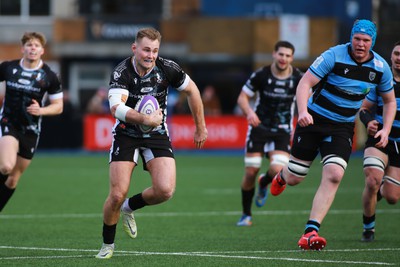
366, 27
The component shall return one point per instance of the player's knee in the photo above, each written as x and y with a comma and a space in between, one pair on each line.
164, 194
335, 166
168, 194
292, 180
372, 181
250, 174
6, 168
335, 176
391, 199
116, 198
373, 177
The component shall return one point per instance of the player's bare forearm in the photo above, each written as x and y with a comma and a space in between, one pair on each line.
54, 108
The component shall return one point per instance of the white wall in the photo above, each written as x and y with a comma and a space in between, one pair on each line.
63, 8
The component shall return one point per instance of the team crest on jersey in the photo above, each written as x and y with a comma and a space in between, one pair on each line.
116, 75
372, 75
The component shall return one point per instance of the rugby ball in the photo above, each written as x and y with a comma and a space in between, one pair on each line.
146, 105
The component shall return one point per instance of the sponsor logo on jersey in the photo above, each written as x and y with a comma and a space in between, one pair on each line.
366, 90
146, 89
24, 81
279, 90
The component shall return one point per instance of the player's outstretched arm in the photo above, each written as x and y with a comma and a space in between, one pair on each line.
197, 110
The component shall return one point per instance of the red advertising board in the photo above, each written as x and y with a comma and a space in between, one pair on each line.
97, 132
224, 132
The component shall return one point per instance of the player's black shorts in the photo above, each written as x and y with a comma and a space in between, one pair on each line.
262, 141
391, 149
323, 137
28, 141
126, 148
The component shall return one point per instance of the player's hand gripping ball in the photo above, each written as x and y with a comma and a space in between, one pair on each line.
146, 105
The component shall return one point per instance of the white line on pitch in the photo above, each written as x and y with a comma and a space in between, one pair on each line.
192, 254
184, 214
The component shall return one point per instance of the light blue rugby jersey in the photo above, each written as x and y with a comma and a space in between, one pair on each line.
377, 99
345, 83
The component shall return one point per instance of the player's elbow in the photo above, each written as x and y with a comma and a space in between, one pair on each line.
58, 109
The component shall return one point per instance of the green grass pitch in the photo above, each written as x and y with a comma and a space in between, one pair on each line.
55, 218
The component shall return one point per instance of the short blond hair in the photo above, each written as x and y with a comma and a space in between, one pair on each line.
150, 33
33, 35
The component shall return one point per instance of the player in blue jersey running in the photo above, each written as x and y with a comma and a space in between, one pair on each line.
381, 165
341, 78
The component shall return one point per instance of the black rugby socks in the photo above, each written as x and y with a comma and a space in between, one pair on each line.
5, 195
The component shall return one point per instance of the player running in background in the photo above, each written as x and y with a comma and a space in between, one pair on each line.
381, 165
345, 74
27, 80
270, 123
144, 73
